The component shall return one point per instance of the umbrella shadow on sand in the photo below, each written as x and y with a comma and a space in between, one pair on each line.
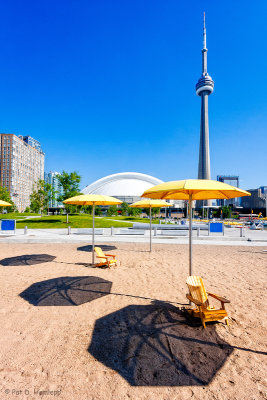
108, 247
155, 345
104, 247
27, 259
66, 291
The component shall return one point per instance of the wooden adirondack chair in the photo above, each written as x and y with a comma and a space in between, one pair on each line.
104, 259
197, 294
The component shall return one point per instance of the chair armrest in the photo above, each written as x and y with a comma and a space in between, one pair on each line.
221, 299
102, 257
110, 255
197, 302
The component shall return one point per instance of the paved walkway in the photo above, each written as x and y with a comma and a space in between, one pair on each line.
231, 238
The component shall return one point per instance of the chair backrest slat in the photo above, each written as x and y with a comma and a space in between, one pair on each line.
100, 253
197, 289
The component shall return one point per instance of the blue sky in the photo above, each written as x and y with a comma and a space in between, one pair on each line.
109, 86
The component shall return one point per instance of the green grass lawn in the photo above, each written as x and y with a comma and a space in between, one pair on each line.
75, 221
17, 215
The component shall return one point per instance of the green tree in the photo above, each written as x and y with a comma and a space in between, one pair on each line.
41, 195
124, 208
226, 210
155, 211
112, 210
146, 210
88, 209
98, 210
134, 211
5, 196
70, 184
216, 213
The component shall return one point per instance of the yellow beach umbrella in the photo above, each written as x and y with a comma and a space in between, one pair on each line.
194, 189
92, 200
150, 204
4, 204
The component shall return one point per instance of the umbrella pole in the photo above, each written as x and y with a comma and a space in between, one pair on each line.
150, 230
93, 236
190, 234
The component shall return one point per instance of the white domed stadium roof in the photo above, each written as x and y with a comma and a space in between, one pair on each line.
127, 186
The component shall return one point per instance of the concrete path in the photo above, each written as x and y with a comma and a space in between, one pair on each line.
231, 238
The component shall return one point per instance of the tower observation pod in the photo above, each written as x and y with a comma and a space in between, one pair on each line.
204, 88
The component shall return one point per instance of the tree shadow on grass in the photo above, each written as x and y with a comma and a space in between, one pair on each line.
66, 291
89, 247
40, 221
155, 345
27, 259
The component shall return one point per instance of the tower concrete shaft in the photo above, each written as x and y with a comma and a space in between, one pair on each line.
204, 149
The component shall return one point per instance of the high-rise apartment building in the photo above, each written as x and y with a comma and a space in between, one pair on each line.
31, 141
257, 200
21, 166
52, 178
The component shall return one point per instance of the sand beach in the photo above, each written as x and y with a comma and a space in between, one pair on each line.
70, 331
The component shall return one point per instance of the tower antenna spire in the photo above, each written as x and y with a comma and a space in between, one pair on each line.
204, 33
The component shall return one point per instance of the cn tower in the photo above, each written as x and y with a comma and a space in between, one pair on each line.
204, 88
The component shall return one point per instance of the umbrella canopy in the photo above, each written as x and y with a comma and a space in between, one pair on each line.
149, 204
199, 189
92, 200
4, 204
194, 189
